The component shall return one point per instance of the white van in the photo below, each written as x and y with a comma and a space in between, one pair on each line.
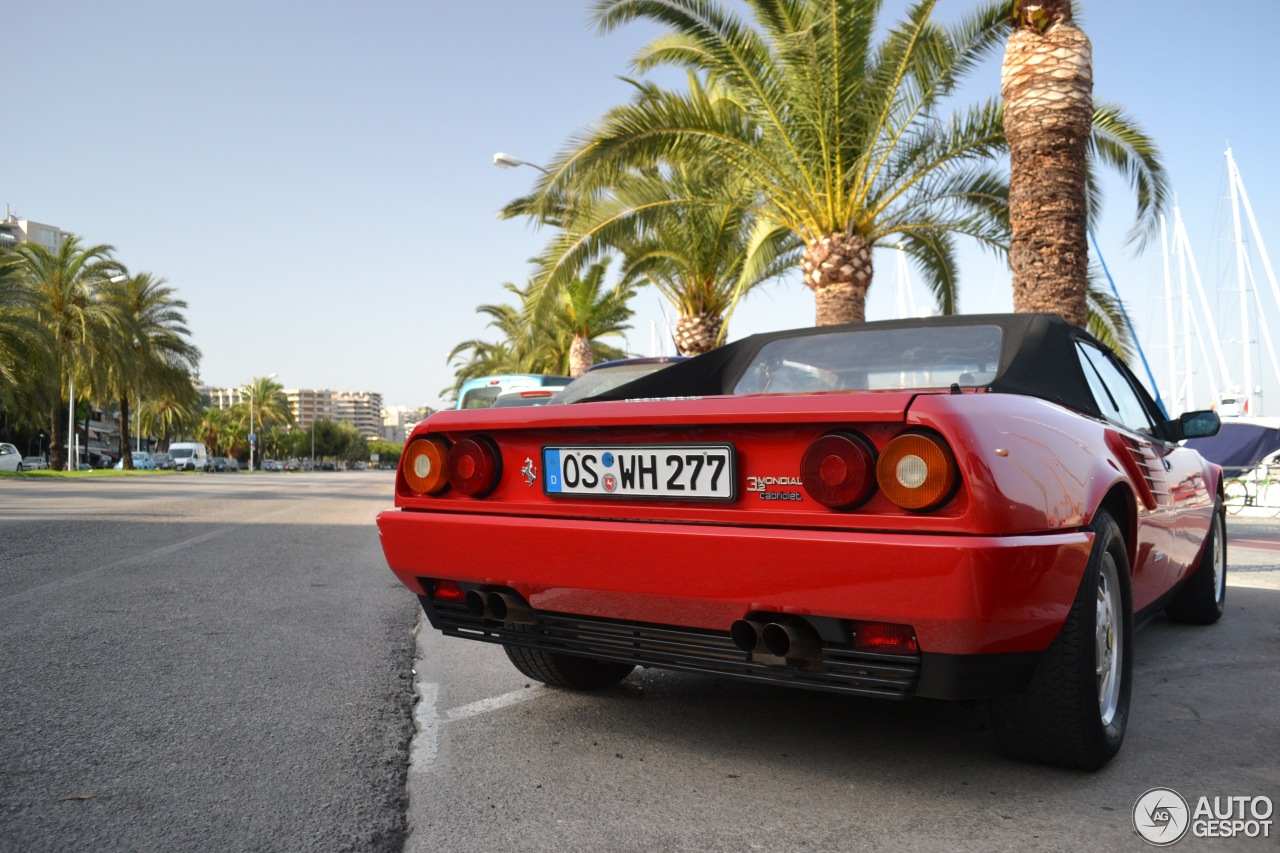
189, 456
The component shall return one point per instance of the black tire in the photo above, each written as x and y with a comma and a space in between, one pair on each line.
559, 670
1071, 715
1203, 597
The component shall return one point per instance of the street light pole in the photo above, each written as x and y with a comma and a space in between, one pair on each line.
506, 161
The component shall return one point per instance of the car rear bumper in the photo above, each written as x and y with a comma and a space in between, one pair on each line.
982, 607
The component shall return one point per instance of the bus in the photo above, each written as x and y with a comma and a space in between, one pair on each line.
480, 393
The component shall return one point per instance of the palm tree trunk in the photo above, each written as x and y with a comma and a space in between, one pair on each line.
698, 333
838, 270
126, 458
57, 441
580, 357
1047, 86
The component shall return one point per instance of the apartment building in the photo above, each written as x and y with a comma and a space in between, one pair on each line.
310, 405
15, 230
362, 409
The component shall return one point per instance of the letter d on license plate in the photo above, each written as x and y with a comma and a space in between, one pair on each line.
694, 472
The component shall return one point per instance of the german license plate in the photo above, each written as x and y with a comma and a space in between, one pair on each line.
701, 472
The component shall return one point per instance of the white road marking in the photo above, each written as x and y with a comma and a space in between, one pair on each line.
484, 706
425, 744
81, 577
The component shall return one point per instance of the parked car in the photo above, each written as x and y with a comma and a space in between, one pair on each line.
163, 461
218, 463
190, 456
975, 507
141, 461
10, 458
233, 464
33, 463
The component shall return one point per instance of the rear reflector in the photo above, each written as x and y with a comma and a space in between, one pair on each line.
885, 637
838, 470
445, 591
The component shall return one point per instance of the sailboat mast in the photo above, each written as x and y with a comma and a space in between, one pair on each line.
1188, 400
1168, 316
1247, 390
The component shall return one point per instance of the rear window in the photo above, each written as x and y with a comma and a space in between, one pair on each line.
875, 360
598, 381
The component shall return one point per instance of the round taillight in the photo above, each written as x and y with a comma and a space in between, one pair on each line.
425, 469
838, 470
917, 471
474, 466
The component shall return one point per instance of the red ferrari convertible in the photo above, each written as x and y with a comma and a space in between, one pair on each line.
970, 507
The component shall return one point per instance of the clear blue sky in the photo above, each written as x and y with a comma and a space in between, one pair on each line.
315, 178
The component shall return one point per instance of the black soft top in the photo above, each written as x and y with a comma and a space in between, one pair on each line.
1037, 358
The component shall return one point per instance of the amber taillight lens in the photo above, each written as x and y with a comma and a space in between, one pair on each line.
425, 469
474, 466
838, 470
917, 471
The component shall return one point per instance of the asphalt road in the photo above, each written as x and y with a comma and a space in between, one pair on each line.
201, 662
223, 663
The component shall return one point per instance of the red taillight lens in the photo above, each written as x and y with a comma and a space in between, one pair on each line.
424, 466
446, 591
474, 466
885, 637
838, 470
917, 471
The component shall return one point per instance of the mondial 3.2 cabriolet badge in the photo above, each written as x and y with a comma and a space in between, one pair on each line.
529, 472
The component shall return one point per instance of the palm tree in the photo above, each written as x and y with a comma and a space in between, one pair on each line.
210, 432
687, 228
66, 286
1054, 128
175, 410
841, 140
588, 311
542, 342
270, 404
521, 349
24, 343
153, 337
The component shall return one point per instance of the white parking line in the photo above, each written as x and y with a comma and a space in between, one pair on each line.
484, 706
425, 743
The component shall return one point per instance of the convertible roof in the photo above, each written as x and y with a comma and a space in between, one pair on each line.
1037, 358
